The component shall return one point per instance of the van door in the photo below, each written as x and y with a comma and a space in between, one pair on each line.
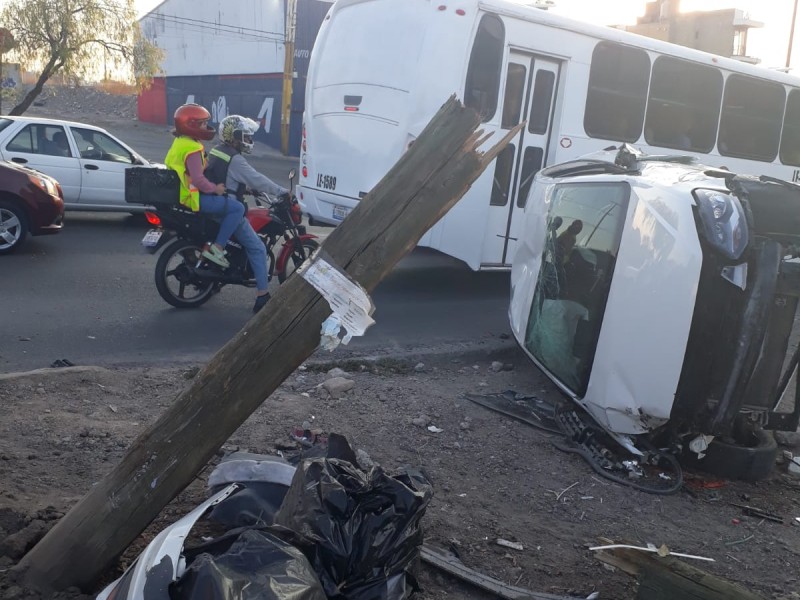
531, 83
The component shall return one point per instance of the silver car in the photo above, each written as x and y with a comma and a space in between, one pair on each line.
86, 160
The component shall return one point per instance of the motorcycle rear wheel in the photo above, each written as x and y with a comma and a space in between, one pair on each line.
297, 258
174, 280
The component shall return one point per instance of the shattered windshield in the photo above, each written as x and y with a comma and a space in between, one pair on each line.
584, 230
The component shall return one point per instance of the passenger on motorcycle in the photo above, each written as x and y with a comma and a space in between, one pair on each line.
227, 166
186, 157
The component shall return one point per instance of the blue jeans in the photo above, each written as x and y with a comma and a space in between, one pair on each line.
229, 210
256, 253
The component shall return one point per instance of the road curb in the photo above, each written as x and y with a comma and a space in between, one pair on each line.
496, 349
48, 372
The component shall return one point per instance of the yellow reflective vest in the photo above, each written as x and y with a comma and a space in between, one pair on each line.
180, 150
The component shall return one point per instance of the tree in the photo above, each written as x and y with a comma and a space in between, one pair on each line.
75, 36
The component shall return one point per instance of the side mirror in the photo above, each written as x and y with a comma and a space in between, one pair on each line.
292, 173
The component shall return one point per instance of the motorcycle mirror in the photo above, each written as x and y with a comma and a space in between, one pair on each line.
292, 173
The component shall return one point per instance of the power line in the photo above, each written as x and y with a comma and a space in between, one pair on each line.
231, 33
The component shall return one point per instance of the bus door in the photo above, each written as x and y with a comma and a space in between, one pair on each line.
531, 84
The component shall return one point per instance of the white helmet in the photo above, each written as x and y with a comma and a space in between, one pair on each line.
236, 128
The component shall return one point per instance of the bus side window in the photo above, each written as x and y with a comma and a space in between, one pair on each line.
790, 140
617, 92
683, 107
752, 115
485, 64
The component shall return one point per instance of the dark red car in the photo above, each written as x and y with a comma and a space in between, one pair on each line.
30, 202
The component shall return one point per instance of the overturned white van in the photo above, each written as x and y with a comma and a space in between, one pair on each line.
660, 296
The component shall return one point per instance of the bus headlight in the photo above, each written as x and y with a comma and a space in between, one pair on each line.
723, 222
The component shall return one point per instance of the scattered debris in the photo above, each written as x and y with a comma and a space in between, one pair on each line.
61, 362
526, 409
336, 372
667, 577
508, 544
758, 512
434, 429
419, 367
662, 551
338, 386
421, 421
453, 566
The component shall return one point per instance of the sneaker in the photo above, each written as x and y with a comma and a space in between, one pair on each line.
260, 302
215, 255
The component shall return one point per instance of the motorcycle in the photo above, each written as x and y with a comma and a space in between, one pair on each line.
185, 279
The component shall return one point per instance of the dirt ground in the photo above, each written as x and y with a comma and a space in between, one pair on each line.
494, 477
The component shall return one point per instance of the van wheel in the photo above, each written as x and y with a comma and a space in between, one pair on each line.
13, 227
751, 457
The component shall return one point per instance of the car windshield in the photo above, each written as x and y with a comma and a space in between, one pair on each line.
584, 231
5, 123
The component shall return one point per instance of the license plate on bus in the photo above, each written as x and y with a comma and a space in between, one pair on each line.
340, 212
151, 238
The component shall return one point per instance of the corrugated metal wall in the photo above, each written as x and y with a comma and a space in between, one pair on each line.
225, 62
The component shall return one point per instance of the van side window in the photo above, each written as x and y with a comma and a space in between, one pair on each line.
617, 92
485, 64
683, 107
752, 115
790, 140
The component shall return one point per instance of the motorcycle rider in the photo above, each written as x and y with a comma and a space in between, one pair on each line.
186, 157
227, 165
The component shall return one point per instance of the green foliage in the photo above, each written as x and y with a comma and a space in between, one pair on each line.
79, 38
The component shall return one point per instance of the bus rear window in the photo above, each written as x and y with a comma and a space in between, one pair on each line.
374, 43
752, 114
790, 140
485, 63
617, 92
683, 108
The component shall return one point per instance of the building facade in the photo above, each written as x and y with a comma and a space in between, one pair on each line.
721, 32
229, 57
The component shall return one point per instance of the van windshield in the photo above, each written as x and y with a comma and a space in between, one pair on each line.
584, 225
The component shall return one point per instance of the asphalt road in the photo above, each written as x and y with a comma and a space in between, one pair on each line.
87, 295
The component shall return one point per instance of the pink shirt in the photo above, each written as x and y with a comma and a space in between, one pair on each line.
194, 165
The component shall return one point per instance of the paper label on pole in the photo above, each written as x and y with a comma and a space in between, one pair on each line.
349, 301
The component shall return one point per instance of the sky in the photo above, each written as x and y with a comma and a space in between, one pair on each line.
769, 43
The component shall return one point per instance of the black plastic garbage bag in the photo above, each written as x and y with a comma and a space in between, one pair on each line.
256, 566
361, 531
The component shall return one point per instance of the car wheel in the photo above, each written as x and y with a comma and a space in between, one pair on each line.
750, 457
13, 226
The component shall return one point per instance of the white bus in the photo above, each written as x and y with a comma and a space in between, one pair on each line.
380, 69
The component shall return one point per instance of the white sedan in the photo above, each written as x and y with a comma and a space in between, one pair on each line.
87, 161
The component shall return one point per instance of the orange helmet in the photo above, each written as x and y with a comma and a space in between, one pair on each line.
192, 120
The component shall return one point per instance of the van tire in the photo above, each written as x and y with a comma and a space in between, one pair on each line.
734, 461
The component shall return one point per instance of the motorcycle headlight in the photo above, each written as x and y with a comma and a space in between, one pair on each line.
723, 222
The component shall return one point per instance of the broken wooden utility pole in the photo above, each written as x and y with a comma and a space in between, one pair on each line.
667, 578
387, 224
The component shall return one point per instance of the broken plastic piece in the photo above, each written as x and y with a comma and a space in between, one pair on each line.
329, 335
508, 544
653, 549
700, 444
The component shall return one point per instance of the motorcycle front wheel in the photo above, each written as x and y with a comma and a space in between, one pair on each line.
175, 280
296, 258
